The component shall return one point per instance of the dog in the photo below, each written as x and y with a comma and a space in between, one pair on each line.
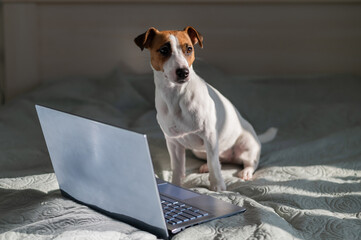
194, 115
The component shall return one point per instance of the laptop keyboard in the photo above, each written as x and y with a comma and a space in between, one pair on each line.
176, 212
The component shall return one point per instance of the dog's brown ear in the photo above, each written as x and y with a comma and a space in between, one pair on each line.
144, 40
195, 36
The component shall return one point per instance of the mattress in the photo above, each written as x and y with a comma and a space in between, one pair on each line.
307, 186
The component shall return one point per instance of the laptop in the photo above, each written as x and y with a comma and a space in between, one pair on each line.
110, 170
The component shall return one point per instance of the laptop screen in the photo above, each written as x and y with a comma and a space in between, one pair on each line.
102, 166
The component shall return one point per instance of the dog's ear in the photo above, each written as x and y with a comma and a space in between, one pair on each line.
195, 36
144, 40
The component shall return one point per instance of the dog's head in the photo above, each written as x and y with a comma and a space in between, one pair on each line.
172, 52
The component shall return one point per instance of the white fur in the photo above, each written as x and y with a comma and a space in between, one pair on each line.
177, 60
195, 116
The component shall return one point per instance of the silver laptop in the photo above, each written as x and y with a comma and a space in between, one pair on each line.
110, 170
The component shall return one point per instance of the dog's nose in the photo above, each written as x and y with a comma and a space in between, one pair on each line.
182, 73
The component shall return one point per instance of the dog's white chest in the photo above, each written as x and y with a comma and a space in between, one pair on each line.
179, 116
183, 111
169, 118
188, 137
176, 118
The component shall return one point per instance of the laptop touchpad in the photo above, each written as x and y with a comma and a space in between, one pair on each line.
176, 192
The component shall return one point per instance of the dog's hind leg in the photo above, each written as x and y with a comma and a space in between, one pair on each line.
248, 170
247, 151
201, 155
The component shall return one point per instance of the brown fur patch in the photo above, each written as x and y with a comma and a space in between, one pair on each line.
160, 39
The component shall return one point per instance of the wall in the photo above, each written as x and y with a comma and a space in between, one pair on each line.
2, 73
74, 37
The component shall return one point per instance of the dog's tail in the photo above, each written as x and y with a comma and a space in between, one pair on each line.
268, 135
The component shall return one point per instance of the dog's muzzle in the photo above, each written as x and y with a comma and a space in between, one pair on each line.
182, 75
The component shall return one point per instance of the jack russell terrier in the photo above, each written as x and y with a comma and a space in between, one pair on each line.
194, 115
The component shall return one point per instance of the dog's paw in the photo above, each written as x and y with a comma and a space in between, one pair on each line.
218, 187
204, 168
246, 174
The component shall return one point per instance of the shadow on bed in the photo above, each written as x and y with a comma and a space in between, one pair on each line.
26, 207
33, 213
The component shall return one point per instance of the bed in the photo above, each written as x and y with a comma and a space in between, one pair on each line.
307, 186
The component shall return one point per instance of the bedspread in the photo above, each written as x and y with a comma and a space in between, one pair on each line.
307, 186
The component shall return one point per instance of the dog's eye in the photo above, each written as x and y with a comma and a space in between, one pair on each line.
189, 49
164, 50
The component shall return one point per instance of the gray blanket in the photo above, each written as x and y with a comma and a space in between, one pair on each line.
308, 184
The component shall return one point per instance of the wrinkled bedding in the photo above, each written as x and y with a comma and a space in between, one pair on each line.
308, 184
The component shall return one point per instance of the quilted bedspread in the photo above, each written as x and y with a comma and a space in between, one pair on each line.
307, 186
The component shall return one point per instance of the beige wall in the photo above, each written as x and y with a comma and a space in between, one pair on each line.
46, 41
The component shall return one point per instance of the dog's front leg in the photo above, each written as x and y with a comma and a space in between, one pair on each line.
214, 166
177, 160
